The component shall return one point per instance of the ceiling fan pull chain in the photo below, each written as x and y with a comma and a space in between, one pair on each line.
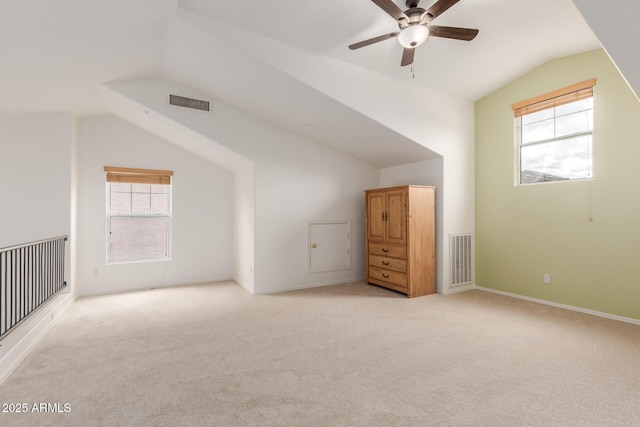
413, 71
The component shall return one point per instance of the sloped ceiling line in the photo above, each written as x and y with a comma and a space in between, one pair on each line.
615, 25
422, 117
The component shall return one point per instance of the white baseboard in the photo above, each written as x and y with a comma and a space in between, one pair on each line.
314, 285
564, 306
458, 289
15, 347
148, 288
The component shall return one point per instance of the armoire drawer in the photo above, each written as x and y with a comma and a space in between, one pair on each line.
385, 249
395, 277
388, 263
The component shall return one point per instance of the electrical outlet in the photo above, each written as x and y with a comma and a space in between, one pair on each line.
546, 278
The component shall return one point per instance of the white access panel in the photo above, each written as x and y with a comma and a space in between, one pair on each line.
329, 246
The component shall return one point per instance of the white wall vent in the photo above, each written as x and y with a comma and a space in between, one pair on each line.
183, 101
460, 256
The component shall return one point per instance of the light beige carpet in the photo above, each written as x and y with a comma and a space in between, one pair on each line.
346, 355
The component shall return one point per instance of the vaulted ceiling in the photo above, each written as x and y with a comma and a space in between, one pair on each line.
52, 52
55, 56
514, 37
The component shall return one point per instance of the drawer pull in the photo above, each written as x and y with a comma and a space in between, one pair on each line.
385, 262
385, 250
386, 276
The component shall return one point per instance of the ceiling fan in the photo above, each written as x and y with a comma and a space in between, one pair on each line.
414, 28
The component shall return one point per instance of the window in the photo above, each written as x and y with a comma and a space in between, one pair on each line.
138, 214
554, 135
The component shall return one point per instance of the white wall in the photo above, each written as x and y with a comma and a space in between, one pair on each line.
442, 123
35, 178
36, 175
202, 236
73, 239
295, 180
243, 227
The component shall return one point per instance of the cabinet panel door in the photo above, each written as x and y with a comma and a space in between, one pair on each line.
375, 219
396, 218
329, 246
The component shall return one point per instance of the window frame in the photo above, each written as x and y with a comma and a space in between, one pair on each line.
547, 101
115, 175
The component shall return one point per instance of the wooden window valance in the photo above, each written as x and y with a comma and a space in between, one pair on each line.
138, 176
555, 98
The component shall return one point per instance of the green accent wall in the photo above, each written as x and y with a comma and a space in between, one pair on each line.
585, 234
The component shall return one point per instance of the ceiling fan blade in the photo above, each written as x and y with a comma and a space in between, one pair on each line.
439, 8
466, 34
407, 56
373, 40
391, 8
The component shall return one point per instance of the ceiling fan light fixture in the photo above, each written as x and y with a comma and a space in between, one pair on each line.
413, 36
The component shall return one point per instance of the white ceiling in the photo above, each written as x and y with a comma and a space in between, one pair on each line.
55, 56
54, 53
515, 36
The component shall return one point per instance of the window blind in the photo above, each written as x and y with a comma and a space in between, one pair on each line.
555, 98
138, 176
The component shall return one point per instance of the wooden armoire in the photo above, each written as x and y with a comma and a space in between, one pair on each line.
400, 247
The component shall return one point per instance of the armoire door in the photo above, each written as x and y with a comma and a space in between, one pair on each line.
375, 216
396, 217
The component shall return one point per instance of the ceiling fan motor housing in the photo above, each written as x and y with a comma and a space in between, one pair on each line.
416, 15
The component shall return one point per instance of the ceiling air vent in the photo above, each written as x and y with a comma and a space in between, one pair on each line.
183, 101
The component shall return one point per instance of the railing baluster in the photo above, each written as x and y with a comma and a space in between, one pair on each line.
40, 273
2, 298
9, 288
12, 315
29, 281
54, 273
5, 307
22, 284
47, 270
